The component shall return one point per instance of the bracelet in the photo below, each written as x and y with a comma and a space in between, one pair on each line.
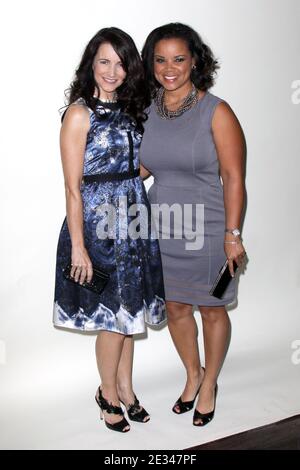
232, 243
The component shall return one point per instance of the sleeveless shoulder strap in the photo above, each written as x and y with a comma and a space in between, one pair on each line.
83, 103
209, 108
80, 101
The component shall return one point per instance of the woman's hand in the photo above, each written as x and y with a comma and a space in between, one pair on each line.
234, 250
82, 269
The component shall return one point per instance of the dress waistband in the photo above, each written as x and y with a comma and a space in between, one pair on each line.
102, 177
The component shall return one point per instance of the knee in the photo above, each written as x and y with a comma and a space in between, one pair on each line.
177, 312
212, 314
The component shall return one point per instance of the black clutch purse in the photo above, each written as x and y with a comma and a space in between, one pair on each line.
223, 279
99, 280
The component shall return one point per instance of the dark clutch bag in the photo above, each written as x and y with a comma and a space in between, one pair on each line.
99, 280
222, 281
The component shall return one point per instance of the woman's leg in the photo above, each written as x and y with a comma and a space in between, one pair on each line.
183, 329
109, 347
216, 333
124, 377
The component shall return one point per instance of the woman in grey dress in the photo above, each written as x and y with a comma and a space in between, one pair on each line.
191, 138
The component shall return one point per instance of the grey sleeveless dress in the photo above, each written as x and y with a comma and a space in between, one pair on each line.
181, 155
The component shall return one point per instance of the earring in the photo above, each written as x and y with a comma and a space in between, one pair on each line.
194, 67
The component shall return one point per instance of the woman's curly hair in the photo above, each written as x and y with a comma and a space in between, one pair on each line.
202, 75
132, 94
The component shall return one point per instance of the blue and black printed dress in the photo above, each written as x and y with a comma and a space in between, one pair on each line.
135, 292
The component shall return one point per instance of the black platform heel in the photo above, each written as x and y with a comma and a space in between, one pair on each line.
185, 406
135, 413
205, 417
111, 409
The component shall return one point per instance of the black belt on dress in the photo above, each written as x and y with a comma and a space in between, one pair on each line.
102, 177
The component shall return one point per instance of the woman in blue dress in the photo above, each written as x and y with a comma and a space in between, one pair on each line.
108, 220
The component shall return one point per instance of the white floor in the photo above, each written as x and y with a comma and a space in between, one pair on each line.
255, 388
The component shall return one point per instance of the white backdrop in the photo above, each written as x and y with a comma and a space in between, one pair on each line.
48, 376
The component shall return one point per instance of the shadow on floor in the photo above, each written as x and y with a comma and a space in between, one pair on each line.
282, 435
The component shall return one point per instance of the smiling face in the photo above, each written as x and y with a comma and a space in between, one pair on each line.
173, 64
108, 70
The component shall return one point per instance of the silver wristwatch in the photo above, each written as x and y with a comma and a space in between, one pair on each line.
234, 231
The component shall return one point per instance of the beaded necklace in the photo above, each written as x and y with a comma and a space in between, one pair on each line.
189, 101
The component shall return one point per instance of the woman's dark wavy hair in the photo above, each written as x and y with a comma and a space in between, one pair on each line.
132, 94
206, 65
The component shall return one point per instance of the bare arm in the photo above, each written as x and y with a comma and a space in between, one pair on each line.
73, 136
144, 172
230, 144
